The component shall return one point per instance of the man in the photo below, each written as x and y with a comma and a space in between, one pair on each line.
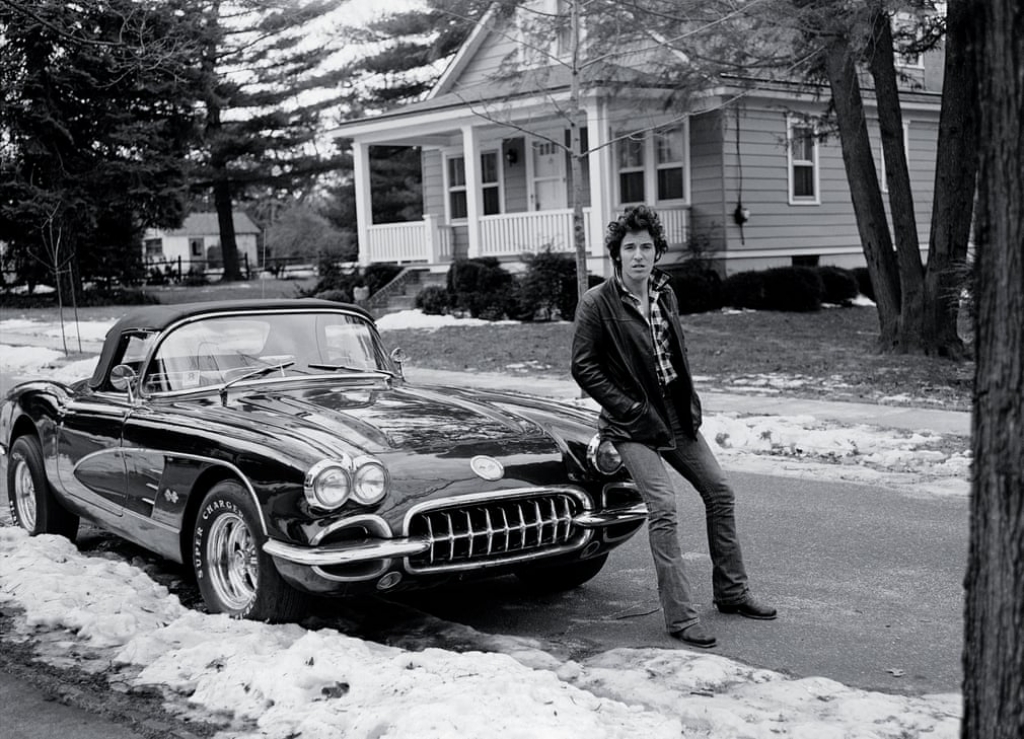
629, 355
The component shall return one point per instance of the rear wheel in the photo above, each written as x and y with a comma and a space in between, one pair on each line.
556, 578
33, 504
235, 575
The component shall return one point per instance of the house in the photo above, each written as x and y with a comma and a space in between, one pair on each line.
740, 171
195, 246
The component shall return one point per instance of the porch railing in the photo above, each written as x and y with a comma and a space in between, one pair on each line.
674, 222
416, 241
514, 233
511, 234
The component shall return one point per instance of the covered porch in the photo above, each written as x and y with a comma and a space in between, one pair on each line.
431, 241
499, 181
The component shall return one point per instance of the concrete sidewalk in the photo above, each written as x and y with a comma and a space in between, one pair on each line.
957, 423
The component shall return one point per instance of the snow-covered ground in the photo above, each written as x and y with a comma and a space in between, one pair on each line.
287, 681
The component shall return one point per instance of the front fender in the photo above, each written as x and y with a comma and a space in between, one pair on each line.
34, 407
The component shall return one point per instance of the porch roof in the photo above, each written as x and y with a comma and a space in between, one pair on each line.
543, 82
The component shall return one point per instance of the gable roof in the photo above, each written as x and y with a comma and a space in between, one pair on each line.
205, 224
465, 53
543, 83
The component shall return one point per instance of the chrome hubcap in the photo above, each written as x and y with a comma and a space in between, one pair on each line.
234, 569
25, 495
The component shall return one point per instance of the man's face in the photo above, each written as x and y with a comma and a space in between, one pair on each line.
637, 255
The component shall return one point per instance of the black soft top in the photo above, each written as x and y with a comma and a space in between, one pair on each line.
159, 317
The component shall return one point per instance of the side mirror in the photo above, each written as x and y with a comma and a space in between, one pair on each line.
122, 378
399, 358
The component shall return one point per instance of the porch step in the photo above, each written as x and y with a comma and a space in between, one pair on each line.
400, 294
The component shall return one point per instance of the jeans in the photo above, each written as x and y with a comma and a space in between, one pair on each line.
694, 460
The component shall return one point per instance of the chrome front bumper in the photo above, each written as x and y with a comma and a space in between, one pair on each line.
394, 548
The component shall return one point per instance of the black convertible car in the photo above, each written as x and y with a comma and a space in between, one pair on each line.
276, 446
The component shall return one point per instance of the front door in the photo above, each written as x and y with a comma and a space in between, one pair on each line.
90, 462
549, 183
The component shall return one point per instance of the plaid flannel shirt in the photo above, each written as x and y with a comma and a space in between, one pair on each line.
660, 331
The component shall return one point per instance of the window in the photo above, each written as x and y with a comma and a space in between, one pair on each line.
670, 159
803, 164
132, 350
457, 205
881, 158
544, 32
490, 185
907, 32
154, 248
196, 245
629, 155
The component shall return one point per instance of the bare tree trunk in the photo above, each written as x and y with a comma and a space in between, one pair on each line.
218, 162
864, 189
955, 182
579, 232
994, 612
226, 224
901, 200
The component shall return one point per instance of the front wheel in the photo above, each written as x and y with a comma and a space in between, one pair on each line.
235, 575
33, 504
556, 578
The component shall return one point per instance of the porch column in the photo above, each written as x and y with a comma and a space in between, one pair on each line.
602, 170
364, 211
474, 206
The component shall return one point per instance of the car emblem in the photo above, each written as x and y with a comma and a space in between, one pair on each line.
487, 467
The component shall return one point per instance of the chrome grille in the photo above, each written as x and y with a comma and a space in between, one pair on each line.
500, 530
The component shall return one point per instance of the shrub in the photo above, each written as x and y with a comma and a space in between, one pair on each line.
547, 290
840, 286
376, 276
194, 278
482, 287
156, 276
338, 295
797, 289
434, 300
745, 290
697, 288
334, 279
863, 277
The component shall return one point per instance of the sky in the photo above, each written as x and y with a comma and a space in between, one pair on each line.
278, 681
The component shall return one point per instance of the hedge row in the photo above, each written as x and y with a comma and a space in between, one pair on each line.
796, 289
482, 288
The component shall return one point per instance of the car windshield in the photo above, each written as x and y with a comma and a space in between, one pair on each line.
221, 349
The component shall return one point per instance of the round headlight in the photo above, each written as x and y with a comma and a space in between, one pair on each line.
328, 484
603, 456
370, 481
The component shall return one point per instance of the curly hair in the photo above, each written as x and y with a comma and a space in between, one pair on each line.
635, 218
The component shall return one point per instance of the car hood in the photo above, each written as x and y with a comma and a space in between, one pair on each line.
378, 419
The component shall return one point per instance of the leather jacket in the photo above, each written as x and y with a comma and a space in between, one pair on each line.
613, 361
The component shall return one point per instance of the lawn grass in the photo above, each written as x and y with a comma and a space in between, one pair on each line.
828, 354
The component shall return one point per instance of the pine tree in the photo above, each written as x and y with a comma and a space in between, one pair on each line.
269, 77
96, 122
